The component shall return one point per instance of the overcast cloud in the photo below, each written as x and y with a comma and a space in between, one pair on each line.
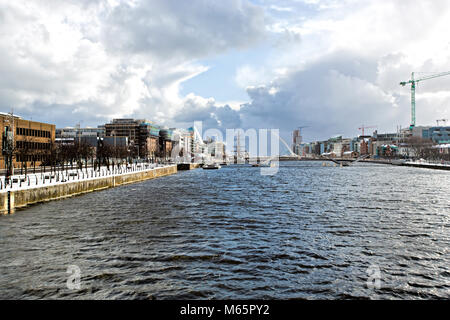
330, 65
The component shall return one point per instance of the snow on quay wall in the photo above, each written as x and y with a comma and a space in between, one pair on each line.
13, 199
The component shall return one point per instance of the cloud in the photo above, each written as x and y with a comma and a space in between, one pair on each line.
281, 9
183, 29
347, 68
332, 65
335, 95
206, 110
90, 60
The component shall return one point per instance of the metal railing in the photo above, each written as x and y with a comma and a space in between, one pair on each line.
18, 182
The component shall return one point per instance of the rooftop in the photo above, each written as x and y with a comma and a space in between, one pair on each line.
9, 114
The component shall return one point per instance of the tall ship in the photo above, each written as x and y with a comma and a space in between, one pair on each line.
240, 154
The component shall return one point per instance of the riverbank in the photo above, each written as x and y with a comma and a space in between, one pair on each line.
417, 164
425, 165
17, 196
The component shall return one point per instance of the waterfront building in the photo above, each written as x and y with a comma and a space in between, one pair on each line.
387, 150
219, 150
301, 149
165, 143
78, 132
387, 137
340, 146
381, 144
129, 128
419, 131
322, 147
101, 130
296, 142
182, 142
198, 146
364, 147
114, 141
385, 144
443, 148
64, 141
440, 135
91, 141
355, 145
215, 149
72, 135
32, 141
149, 140
333, 146
436, 134
124, 128
314, 148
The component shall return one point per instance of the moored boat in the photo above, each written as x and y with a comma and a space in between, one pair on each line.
211, 166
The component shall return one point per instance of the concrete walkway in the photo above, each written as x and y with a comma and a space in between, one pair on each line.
22, 182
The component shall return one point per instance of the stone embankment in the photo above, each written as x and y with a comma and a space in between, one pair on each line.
15, 196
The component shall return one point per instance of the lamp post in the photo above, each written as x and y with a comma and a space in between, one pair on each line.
114, 135
8, 146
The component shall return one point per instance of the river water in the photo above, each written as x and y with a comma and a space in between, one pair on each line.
308, 232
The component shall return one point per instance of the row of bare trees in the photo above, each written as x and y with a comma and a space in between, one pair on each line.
71, 155
424, 149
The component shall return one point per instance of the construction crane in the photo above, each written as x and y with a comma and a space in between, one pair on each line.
441, 120
413, 92
366, 127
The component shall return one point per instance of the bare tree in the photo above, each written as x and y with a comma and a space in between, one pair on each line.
419, 146
104, 153
84, 151
24, 150
122, 153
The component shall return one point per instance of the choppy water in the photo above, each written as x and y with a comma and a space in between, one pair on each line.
308, 232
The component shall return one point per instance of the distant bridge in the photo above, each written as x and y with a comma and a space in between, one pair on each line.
300, 158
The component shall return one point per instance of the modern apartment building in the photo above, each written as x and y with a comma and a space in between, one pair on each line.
148, 140
440, 135
126, 128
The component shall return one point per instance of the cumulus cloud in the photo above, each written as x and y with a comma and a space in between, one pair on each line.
332, 65
182, 29
89, 61
212, 115
347, 69
336, 95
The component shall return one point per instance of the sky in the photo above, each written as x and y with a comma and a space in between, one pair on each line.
331, 66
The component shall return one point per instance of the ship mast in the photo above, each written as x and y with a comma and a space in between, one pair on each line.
238, 148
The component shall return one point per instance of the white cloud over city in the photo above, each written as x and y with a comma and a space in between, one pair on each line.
329, 65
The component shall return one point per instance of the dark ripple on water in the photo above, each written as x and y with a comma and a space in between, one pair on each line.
309, 232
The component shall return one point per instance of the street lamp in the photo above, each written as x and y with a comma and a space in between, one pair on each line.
8, 146
114, 134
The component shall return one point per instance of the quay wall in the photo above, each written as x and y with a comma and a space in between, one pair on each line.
20, 198
188, 166
425, 166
